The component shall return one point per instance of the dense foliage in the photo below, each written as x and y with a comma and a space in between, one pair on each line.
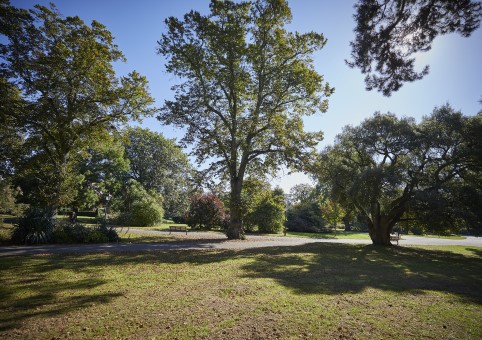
159, 165
138, 206
206, 211
247, 84
60, 93
389, 169
38, 226
305, 216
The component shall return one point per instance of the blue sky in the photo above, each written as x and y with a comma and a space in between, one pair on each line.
455, 62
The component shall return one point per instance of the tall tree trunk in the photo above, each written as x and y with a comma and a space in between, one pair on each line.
235, 230
347, 223
379, 230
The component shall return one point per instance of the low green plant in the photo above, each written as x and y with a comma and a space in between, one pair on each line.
35, 227
66, 232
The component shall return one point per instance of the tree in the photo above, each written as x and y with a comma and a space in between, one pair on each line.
389, 32
247, 84
205, 211
138, 206
254, 190
63, 93
389, 167
302, 193
332, 212
160, 165
104, 169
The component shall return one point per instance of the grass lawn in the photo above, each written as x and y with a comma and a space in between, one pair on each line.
311, 291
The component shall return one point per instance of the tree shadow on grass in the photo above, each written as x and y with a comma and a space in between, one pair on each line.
317, 268
26, 297
334, 269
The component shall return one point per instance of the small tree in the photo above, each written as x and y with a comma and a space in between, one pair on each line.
268, 213
332, 212
205, 211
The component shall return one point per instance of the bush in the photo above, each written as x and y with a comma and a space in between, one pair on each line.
146, 213
268, 215
39, 226
35, 227
305, 216
141, 208
205, 211
66, 232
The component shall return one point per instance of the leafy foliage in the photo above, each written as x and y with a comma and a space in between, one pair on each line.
140, 207
66, 232
332, 212
391, 167
390, 32
35, 227
305, 216
268, 213
205, 211
248, 83
62, 93
159, 165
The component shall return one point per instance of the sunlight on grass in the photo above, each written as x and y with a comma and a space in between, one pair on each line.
310, 291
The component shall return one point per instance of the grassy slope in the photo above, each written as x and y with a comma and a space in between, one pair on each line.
310, 291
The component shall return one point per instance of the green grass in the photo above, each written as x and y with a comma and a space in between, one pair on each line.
311, 291
451, 237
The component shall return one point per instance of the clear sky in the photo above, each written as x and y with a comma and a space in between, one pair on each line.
455, 62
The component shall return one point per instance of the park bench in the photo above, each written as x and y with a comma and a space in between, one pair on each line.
177, 228
395, 237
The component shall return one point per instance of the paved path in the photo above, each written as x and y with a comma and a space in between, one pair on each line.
205, 240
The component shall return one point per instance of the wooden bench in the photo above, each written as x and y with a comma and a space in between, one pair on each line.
177, 228
395, 237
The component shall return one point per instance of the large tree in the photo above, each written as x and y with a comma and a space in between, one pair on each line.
246, 85
160, 165
389, 168
389, 33
63, 92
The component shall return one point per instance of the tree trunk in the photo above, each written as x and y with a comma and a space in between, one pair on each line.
347, 224
379, 231
235, 230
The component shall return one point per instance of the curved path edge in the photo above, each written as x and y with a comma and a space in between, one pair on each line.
216, 241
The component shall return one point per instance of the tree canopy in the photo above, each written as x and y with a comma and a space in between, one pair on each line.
160, 165
61, 92
389, 33
246, 85
390, 168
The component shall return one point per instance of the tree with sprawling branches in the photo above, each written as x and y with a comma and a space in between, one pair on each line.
61, 92
246, 84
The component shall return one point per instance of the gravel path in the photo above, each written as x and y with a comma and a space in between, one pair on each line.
207, 240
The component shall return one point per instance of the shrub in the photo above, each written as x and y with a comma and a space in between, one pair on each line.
146, 213
141, 207
205, 211
35, 227
305, 216
268, 215
66, 232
